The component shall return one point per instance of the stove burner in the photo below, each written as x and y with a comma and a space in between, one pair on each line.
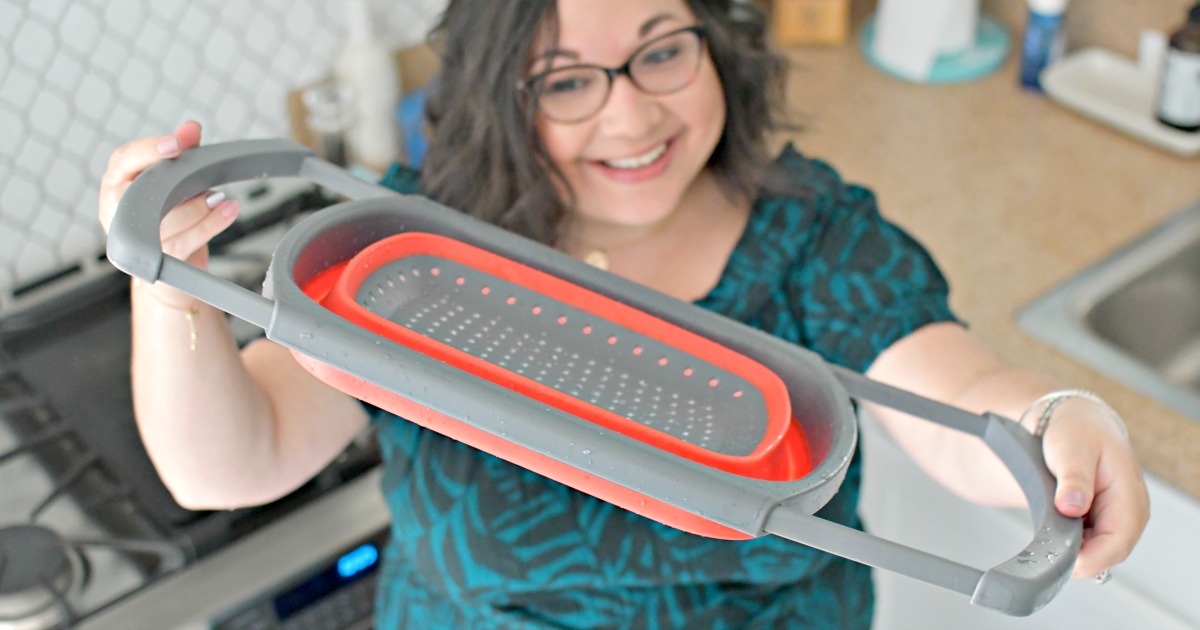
72, 462
35, 571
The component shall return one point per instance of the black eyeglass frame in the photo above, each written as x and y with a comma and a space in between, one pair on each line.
525, 86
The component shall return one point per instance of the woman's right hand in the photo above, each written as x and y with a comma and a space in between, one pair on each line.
224, 426
187, 228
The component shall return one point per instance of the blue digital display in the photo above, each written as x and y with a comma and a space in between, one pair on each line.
351, 567
357, 561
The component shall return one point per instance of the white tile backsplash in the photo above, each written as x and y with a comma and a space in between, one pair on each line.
78, 78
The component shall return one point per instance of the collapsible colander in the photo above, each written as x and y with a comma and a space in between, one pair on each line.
652, 404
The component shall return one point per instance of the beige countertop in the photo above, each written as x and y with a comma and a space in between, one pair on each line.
1012, 194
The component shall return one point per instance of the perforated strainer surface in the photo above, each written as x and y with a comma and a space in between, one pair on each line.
570, 350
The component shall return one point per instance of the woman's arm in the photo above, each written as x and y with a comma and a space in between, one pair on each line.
1085, 446
224, 428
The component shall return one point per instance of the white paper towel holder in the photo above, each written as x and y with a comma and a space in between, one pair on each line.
948, 42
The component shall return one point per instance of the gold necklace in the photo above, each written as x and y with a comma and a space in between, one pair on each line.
601, 258
597, 258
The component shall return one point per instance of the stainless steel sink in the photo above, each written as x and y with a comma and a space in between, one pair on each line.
1135, 315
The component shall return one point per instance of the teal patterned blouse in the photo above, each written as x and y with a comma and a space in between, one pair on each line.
481, 543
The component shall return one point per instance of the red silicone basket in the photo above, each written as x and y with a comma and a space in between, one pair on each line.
479, 288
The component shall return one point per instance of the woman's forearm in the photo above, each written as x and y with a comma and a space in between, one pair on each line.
970, 468
228, 427
944, 363
205, 424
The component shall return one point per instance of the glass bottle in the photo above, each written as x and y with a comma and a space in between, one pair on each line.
1179, 87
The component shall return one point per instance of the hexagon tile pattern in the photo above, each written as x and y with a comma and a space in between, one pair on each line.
78, 78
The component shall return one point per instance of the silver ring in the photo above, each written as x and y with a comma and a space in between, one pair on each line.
1103, 577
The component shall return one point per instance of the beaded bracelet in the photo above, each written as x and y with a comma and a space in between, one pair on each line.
1054, 399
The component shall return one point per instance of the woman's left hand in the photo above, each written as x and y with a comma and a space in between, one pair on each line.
1085, 444
1087, 449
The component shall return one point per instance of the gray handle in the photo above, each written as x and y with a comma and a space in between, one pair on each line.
1017, 586
134, 245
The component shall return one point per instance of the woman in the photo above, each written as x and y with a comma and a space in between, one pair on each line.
629, 133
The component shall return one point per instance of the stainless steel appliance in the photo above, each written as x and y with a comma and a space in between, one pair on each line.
89, 536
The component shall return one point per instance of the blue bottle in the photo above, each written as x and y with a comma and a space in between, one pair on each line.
1044, 41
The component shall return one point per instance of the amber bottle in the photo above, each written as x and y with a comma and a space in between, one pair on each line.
1179, 88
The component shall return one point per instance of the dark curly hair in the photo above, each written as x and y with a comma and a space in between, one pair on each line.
485, 157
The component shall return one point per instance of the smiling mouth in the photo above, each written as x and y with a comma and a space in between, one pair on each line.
638, 161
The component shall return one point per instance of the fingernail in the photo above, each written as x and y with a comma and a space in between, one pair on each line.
229, 208
214, 199
169, 146
1073, 499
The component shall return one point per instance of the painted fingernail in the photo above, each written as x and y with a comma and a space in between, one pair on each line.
1073, 499
169, 146
214, 199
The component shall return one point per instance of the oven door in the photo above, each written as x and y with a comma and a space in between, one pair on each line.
316, 568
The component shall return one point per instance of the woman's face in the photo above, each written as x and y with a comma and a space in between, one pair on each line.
631, 162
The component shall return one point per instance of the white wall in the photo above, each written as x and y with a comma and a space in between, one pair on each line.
1155, 588
80, 77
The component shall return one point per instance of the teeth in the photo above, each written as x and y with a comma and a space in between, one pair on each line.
639, 161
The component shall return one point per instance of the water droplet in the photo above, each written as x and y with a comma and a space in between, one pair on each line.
306, 335
587, 451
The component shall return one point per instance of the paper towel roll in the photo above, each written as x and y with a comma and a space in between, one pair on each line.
910, 34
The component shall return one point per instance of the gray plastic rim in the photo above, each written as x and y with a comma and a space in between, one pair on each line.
820, 393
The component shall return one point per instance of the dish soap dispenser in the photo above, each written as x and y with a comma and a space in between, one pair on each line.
1179, 85
367, 70
1044, 40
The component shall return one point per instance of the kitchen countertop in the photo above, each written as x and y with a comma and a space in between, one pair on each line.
1012, 194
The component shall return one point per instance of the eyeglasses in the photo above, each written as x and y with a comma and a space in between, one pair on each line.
662, 65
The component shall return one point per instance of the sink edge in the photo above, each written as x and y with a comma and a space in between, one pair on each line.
1058, 316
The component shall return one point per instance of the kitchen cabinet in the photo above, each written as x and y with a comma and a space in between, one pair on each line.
1155, 588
